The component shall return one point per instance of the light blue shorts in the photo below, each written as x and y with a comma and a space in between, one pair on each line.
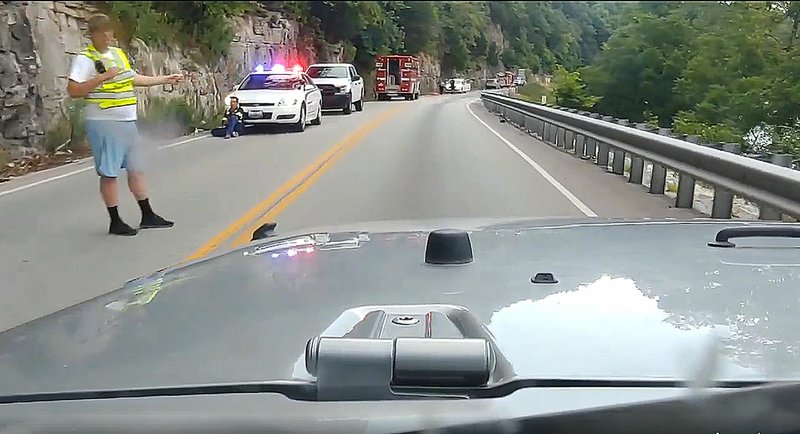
114, 146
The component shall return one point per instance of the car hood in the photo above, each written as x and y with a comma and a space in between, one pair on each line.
265, 95
633, 300
332, 81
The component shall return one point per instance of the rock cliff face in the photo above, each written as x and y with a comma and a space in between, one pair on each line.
39, 39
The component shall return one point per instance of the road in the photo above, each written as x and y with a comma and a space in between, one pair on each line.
438, 157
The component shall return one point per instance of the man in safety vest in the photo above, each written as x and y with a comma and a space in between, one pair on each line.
103, 77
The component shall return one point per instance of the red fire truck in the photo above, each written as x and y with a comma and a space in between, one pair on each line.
397, 75
505, 79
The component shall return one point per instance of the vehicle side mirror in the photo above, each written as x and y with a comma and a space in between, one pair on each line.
236, 87
308, 87
356, 78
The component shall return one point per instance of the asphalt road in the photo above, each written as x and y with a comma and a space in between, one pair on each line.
440, 156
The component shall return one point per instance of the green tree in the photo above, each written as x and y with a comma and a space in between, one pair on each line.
419, 21
570, 91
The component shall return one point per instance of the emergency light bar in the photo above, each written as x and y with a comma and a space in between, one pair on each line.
278, 68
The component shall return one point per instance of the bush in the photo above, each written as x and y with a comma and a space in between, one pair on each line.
570, 91
168, 117
687, 123
533, 92
71, 127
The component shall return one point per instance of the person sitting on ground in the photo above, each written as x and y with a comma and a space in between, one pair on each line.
233, 119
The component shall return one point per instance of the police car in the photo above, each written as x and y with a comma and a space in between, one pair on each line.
279, 96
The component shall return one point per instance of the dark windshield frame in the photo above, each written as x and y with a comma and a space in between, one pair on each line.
314, 71
272, 82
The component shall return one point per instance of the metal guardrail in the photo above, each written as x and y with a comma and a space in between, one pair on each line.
606, 141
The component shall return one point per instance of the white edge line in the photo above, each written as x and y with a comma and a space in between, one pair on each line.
44, 181
75, 172
172, 145
563, 190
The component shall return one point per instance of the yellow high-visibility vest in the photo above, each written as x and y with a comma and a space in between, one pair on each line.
118, 91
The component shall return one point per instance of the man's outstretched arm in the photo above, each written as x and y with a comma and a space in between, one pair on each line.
147, 81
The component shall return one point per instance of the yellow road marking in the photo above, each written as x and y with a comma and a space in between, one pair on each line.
288, 192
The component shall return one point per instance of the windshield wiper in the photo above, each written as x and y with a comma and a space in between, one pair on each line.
298, 390
308, 391
355, 369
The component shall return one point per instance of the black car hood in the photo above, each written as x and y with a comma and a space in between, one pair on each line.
644, 299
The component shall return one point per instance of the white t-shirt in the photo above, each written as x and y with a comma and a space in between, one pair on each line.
83, 70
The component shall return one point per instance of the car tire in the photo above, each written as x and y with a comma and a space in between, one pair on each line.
360, 104
416, 95
318, 120
300, 126
349, 107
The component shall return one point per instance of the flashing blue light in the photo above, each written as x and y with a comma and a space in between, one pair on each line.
260, 68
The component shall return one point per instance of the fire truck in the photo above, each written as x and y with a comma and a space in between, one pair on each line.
397, 75
505, 79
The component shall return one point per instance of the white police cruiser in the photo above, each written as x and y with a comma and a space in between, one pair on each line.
279, 96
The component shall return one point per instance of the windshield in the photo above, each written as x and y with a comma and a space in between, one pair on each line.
327, 72
271, 82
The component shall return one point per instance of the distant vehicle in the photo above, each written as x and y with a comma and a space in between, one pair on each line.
279, 96
457, 85
508, 79
504, 79
341, 86
492, 83
397, 75
520, 79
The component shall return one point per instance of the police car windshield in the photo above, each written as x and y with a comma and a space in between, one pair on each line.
327, 72
272, 81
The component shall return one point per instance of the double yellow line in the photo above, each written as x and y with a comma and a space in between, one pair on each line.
240, 231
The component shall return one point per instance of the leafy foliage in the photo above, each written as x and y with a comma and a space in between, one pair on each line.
714, 69
537, 35
570, 91
201, 26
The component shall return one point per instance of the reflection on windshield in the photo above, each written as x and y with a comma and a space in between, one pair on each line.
327, 72
594, 317
271, 81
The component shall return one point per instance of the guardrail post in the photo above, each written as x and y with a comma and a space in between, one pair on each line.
591, 143
637, 163
618, 164
528, 124
569, 140
685, 197
722, 206
658, 179
603, 148
580, 145
767, 212
551, 134
637, 170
